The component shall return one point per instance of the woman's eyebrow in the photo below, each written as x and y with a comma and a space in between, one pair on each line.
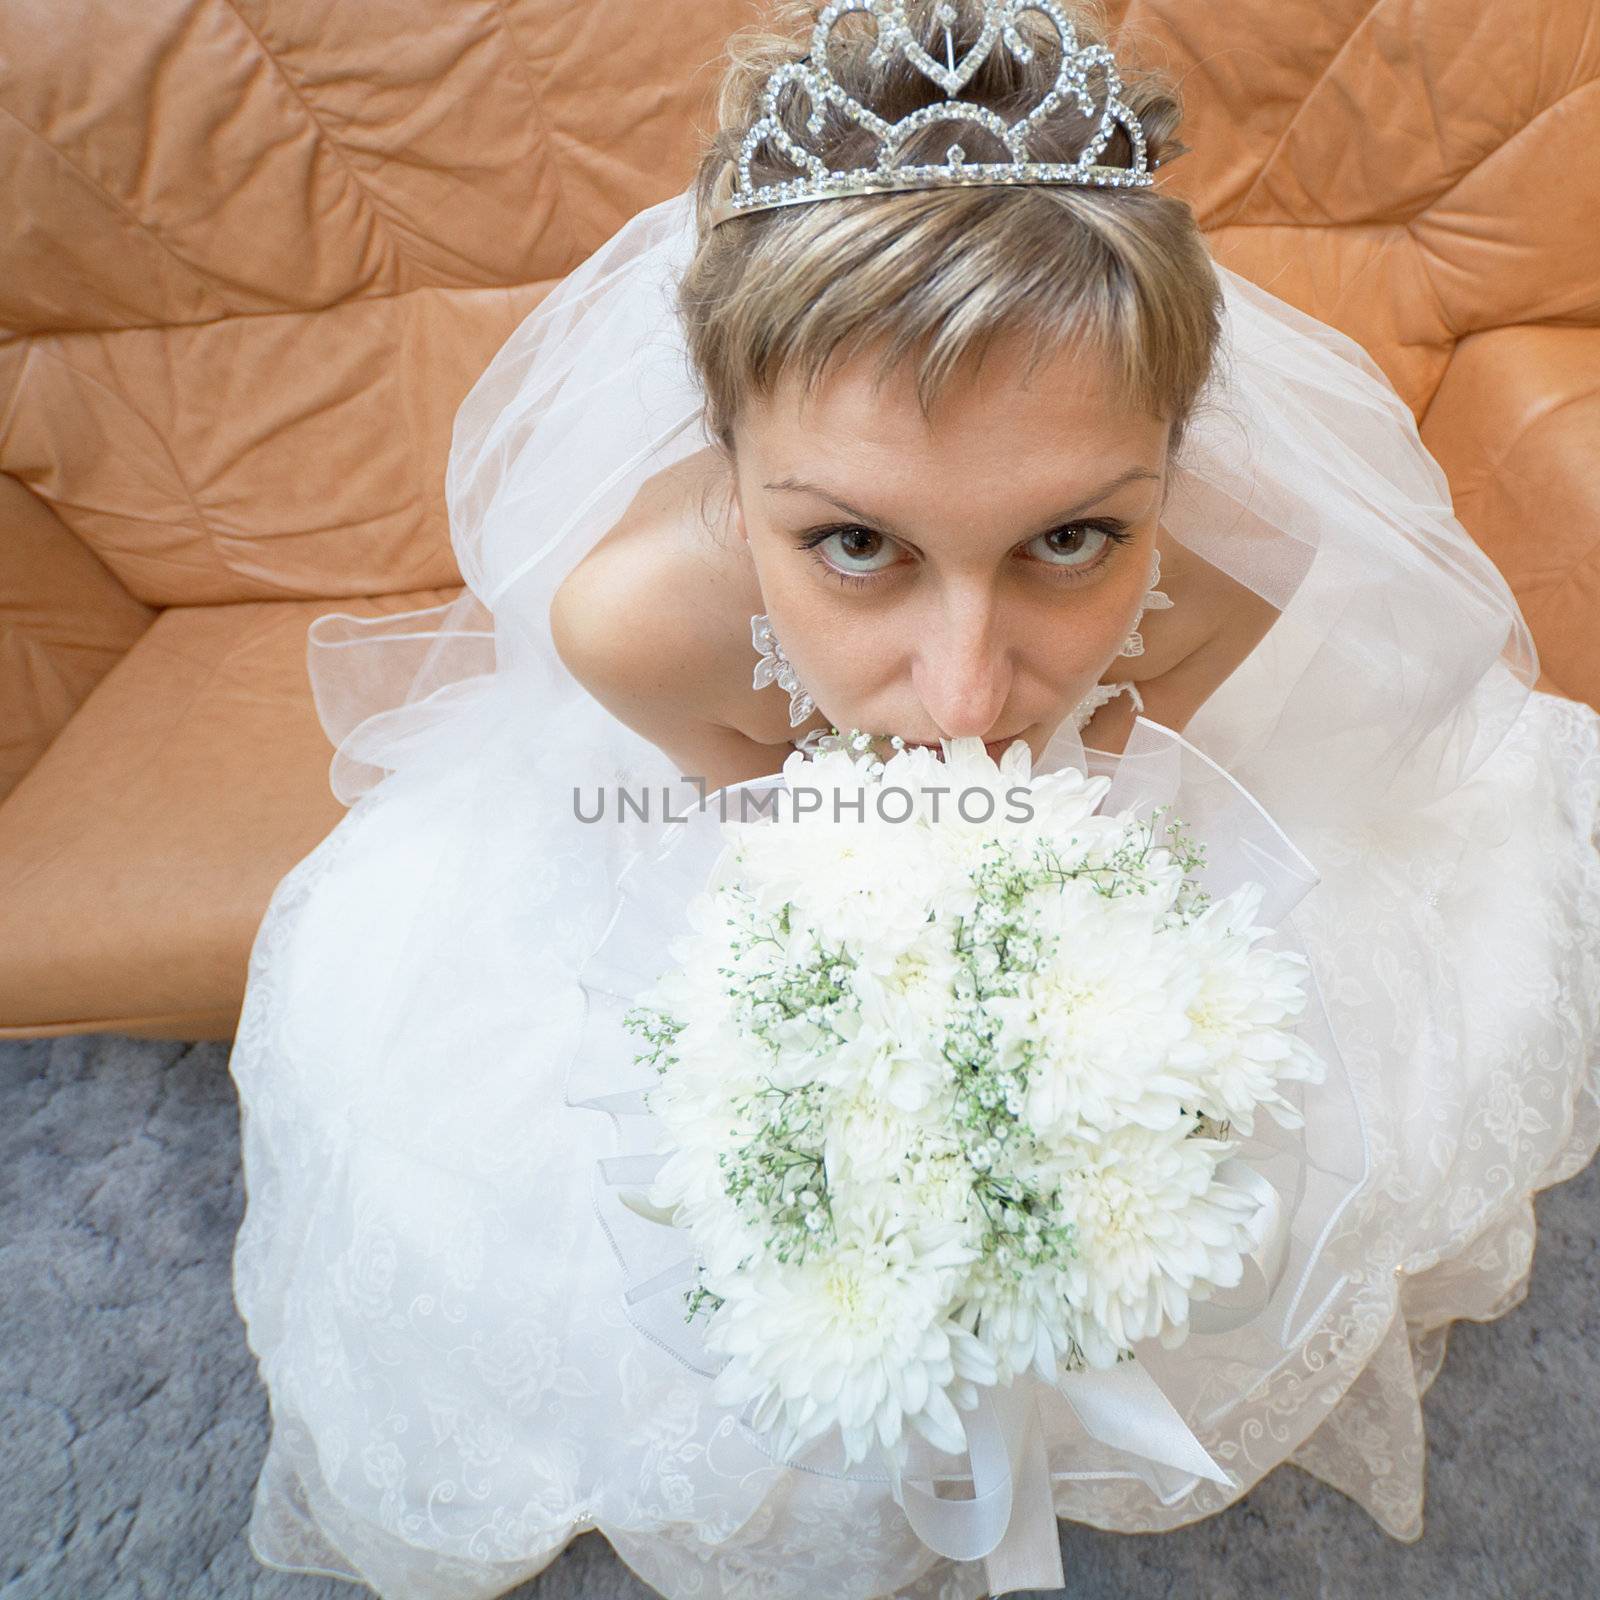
793, 485
800, 486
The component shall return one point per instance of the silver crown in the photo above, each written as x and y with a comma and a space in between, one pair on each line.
734, 195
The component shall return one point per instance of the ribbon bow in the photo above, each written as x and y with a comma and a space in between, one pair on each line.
1009, 1521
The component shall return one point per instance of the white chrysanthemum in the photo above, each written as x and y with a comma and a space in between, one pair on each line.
868, 1139
913, 769
958, 851
941, 1178
1064, 804
1021, 1317
1152, 1220
966, 805
922, 972
1100, 1017
724, 1236
969, 826
886, 1051
925, 1183
799, 1043
719, 952
855, 880
1239, 1048
690, 1188
857, 1336
714, 1065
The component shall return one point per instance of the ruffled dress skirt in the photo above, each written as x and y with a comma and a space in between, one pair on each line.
456, 1391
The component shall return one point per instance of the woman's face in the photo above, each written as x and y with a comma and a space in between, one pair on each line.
973, 573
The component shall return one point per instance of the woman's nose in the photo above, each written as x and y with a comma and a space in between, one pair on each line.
962, 673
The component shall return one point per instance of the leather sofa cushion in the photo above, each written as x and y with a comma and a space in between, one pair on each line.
137, 854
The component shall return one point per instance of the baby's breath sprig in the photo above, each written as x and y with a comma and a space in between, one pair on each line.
700, 1298
777, 1175
1190, 854
1025, 1228
859, 742
1114, 875
998, 948
659, 1029
811, 989
749, 926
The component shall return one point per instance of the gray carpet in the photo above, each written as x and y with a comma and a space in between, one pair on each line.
132, 1422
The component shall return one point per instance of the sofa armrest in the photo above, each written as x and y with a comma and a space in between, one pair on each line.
1515, 424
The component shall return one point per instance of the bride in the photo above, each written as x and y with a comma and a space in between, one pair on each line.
974, 441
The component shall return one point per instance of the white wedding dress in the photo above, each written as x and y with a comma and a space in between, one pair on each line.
456, 1388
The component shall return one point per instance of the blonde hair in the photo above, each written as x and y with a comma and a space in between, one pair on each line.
935, 274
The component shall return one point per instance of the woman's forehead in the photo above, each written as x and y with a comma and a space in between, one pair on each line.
1063, 421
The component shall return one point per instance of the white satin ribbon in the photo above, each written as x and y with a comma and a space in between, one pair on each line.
1009, 1521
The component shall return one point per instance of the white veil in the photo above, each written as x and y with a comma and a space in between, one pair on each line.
1399, 660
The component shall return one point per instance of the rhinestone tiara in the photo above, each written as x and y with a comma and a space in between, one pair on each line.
734, 195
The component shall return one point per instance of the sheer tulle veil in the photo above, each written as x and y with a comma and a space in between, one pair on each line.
1399, 660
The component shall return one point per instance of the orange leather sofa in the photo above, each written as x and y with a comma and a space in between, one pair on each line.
255, 252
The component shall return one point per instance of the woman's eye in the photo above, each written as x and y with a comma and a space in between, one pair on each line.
856, 550
856, 555
1079, 545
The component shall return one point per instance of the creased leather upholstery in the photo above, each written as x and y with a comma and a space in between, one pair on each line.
258, 250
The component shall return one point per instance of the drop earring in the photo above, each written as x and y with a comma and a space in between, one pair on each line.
1154, 600
774, 667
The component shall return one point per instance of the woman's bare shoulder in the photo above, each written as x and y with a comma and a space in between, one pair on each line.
654, 618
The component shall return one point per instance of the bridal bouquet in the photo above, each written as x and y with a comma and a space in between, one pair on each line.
948, 1099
